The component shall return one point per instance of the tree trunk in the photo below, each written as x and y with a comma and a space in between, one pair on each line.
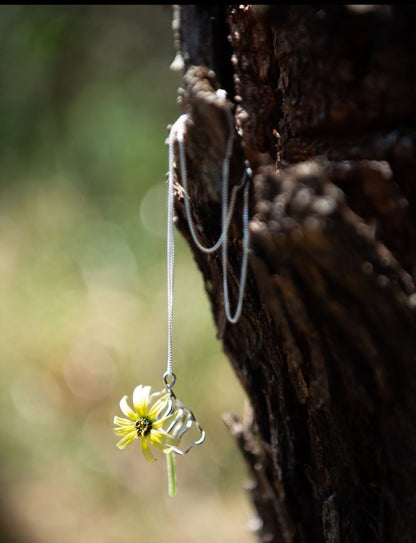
324, 100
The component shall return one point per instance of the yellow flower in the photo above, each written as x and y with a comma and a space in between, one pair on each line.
143, 423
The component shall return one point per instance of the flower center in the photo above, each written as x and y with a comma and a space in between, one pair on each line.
143, 426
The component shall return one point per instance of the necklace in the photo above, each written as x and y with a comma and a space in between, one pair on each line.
161, 419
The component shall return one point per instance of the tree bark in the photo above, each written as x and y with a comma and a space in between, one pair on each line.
324, 101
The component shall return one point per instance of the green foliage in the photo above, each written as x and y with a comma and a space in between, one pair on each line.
85, 98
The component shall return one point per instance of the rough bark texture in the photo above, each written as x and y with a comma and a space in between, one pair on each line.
325, 108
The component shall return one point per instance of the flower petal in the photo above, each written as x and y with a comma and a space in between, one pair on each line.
123, 422
164, 422
141, 399
122, 444
124, 430
127, 410
161, 440
162, 403
147, 453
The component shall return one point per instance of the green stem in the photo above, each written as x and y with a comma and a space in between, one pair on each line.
170, 462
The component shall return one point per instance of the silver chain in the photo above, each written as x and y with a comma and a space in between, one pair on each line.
177, 134
170, 257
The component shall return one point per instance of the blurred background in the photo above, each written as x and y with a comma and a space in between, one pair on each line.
86, 95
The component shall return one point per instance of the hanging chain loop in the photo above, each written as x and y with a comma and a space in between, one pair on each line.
177, 135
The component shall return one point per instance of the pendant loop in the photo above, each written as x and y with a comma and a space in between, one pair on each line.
169, 378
